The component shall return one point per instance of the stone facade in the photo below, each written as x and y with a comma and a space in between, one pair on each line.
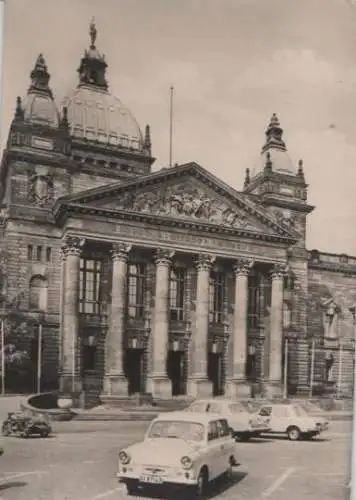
169, 282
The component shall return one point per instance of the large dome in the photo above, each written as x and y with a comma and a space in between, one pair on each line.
95, 114
281, 162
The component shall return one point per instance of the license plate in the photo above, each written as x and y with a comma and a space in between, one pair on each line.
151, 479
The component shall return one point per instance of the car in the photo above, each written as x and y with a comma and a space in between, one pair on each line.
25, 424
293, 420
180, 451
245, 424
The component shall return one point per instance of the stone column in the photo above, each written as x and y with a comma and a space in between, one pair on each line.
274, 384
198, 383
238, 385
70, 381
158, 382
115, 381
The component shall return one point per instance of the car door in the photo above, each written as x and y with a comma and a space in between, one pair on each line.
213, 450
227, 444
279, 418
266, 413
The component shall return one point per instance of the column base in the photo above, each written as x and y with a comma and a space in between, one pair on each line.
115, 384
273, 390
239, 389
70, 384
199, 387
159, 386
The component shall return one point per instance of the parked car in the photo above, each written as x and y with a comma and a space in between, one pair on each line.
245, 424
24, 424
293, 420
179, 451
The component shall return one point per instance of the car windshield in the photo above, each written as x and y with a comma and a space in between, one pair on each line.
237, 408
300, 411
177, 429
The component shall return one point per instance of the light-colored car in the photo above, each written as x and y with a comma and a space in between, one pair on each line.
244, 423
293, 420
179, 450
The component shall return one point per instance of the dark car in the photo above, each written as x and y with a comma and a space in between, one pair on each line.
24, 424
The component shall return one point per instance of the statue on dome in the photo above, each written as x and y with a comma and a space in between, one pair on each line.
92, 32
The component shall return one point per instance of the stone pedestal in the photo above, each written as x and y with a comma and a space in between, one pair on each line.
239, 389
199, 387
159, 386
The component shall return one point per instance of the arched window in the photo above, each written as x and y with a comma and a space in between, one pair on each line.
38, 293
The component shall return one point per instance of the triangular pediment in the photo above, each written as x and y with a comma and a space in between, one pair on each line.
185, 193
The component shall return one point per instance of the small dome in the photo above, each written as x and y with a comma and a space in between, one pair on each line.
40, 109
281, 162
94, 114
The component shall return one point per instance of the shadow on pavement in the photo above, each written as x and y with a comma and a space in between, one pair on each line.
12, 484
260, 440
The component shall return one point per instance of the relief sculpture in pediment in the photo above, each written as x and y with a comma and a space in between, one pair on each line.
183, 200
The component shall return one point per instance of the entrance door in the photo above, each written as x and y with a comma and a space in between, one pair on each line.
215, 371
134, 370
175, 370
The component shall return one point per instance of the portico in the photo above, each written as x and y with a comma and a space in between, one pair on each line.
174, 313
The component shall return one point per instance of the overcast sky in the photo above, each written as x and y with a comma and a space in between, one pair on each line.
232, 63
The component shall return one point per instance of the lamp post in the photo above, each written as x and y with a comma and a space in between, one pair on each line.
312, 363
2, 355
352, 310
285, 368
39, 351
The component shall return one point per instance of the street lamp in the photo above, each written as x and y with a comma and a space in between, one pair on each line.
39, 350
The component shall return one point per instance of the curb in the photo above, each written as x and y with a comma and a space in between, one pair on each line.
147, 417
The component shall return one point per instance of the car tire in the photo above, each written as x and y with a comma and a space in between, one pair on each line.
293, 433
200, 490
44, 434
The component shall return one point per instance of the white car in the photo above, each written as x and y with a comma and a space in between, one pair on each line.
179, 450
244, 423
293, 420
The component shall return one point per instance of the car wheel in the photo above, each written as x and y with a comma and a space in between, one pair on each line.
202, 484
293, 433
44, 434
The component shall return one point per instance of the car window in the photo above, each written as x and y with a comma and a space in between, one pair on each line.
237, 408
223, 428
214, 408
265, 411
213, 432
280, 411
198, 407
176, 429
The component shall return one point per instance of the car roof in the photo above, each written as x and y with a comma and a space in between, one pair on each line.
185, 416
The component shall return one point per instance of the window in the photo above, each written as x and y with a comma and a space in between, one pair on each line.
89, 290
223, 428
48, 254
198, 407
216, 298
281, 411
259, 292
176, 297
213, 431
89, 357
29, 252
38, 293
39, 253
265, 411
287, 314
136, 291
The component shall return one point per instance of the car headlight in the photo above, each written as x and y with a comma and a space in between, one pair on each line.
186, 462
124, 457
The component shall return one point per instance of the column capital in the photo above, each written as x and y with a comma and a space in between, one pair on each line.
163, 257
72, 245
279, 271
120, 251
242, 267
205, 262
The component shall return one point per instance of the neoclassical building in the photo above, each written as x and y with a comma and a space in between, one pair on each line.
164, 281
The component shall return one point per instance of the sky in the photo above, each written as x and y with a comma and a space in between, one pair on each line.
232, 64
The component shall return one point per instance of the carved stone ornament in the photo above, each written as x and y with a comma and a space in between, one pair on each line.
163, 256
285, 218
120, 251
204, 262
242, 267
184, 200
279, 271
72, 245
40, 187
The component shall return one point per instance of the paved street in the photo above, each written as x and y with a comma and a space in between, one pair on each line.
79, 463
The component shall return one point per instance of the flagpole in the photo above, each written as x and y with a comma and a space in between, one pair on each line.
171, 89
312, 368
39, 357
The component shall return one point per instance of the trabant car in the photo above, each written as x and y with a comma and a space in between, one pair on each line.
244, 423
293, 420
180, 450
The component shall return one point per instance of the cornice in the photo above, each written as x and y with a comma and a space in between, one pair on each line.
63, 211
267, 199
333, 267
